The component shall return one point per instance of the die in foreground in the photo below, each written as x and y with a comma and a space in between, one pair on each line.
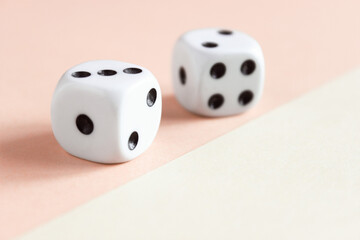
217, 72
106, 111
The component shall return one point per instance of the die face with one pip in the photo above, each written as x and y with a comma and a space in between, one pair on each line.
217, 72
106, 111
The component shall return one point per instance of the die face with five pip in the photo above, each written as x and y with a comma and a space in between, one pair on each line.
217, 72
106, 111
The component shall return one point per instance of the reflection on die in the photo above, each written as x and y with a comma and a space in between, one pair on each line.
106, 111
217, 72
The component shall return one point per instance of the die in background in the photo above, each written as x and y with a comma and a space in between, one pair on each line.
217, 72
106, 111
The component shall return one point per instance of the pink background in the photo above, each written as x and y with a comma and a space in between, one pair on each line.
305, 44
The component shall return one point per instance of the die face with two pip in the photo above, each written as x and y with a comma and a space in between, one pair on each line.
217, 72
106, 111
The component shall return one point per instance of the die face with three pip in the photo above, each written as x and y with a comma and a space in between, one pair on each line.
217, 72
106, 111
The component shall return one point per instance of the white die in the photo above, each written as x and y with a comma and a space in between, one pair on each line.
106, 111
217, 72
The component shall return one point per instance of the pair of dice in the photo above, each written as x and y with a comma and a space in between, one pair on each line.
110, 111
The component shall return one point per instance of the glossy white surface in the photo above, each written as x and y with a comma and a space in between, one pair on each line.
232, 50
116, 104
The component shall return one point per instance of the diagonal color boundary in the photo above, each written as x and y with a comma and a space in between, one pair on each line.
291, 174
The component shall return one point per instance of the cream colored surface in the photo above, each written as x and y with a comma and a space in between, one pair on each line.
305, 43
291, 174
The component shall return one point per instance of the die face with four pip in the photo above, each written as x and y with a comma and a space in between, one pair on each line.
217, 72
106, 111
